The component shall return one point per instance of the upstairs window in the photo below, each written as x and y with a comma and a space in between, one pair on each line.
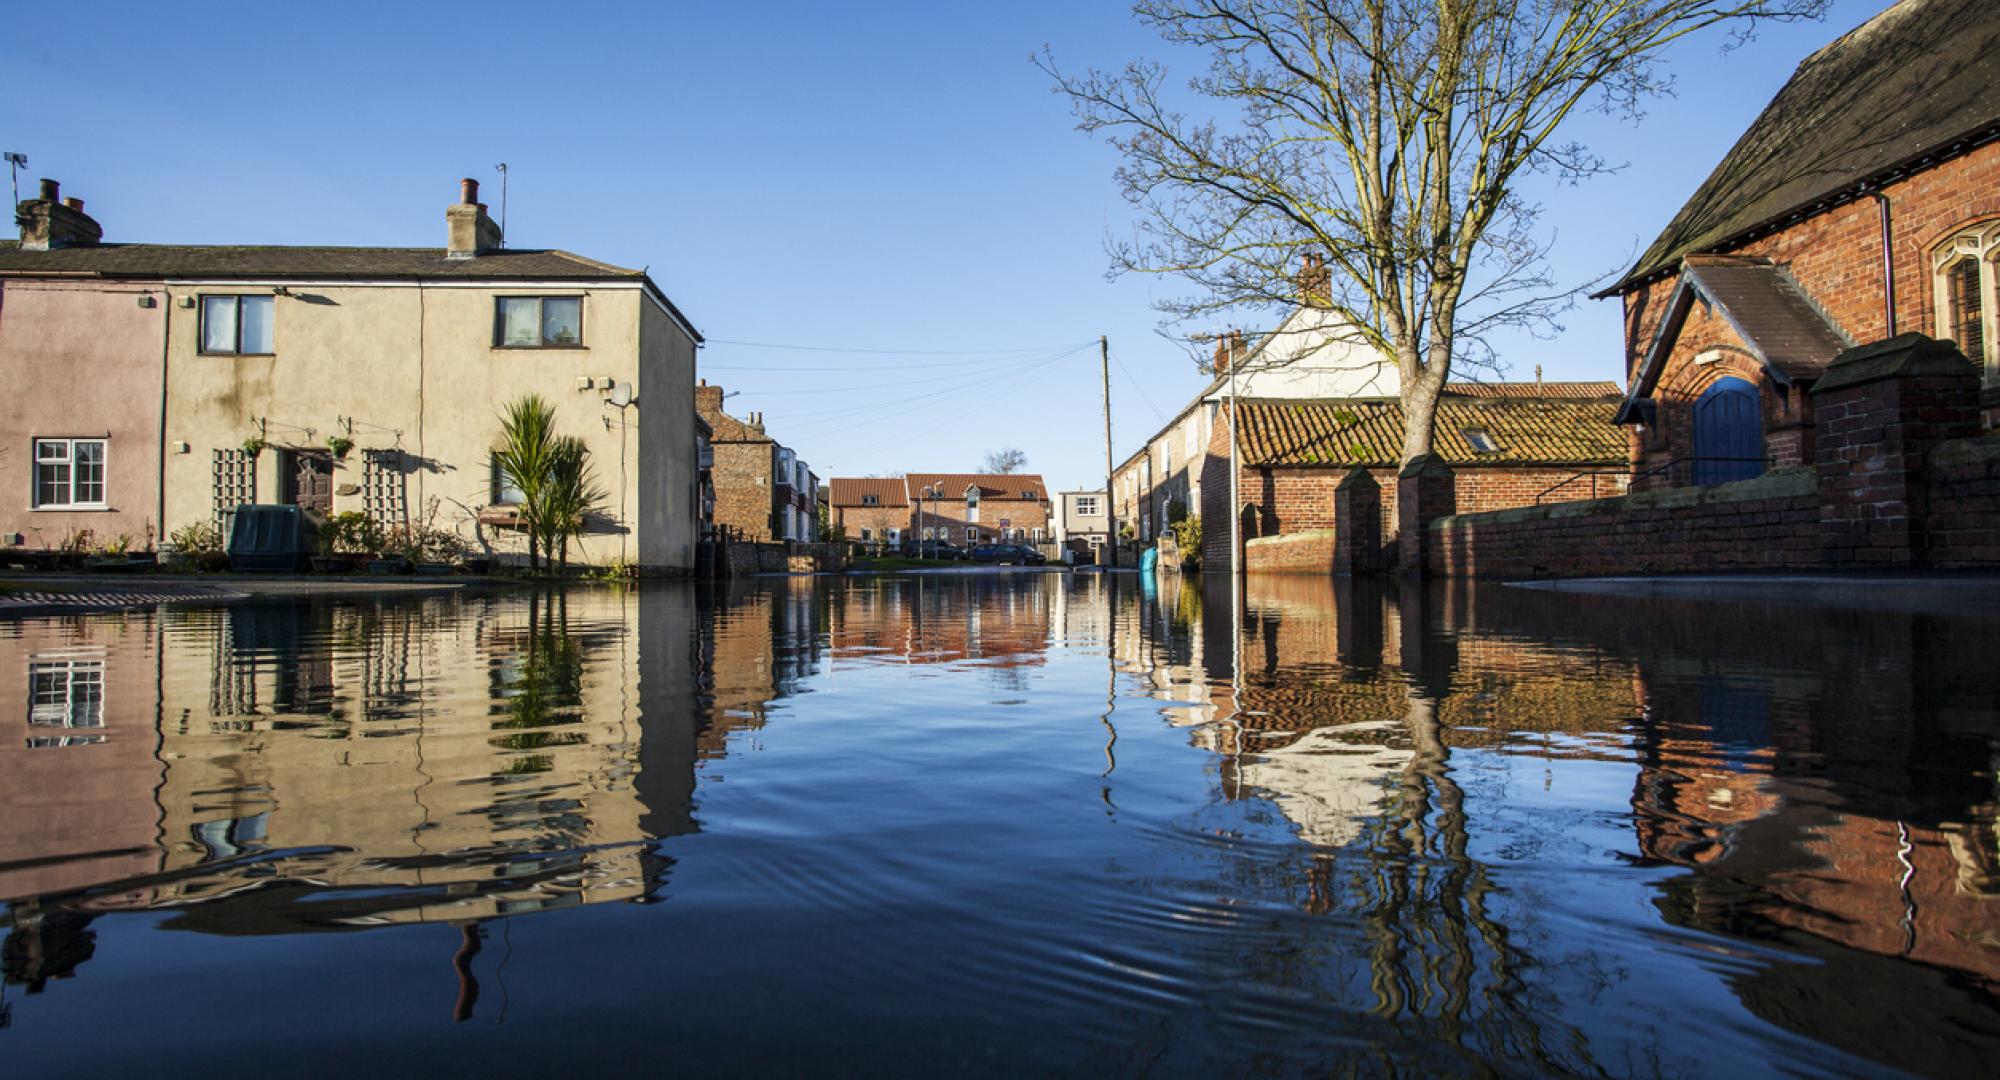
1963, 282
1086, 506
69, 474
538, 322
236, 325
871, 500
1480, 441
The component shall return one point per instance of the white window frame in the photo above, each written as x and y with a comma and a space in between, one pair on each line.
971, 534
1086, 506
55, 705
1982, 243
69, 445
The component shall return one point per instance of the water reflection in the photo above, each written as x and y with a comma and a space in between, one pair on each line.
1349, 828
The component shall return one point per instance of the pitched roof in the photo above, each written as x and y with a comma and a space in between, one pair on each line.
991, 486
1914, 80
1770, 309
848, 491
728, 429
265, 262
1571, 391
1370, 432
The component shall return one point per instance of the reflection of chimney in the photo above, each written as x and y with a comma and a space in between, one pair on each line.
1315, 280
52, 221
469, 232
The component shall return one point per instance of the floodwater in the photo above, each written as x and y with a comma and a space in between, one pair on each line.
1006, 823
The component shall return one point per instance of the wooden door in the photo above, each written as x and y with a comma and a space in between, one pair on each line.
1728, 433
311, 481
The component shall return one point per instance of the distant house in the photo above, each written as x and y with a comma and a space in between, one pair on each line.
978, 508
965, 508
1861, 203
153, 386
763, 492
868, 509
1082, 516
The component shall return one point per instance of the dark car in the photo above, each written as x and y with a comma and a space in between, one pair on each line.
1008, 554
931, 549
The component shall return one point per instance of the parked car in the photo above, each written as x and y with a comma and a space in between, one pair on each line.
1008, 554
931, 549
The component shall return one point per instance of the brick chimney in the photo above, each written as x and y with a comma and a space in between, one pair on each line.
470, 232
1228, 351
52, 221
1315, 280
708, 400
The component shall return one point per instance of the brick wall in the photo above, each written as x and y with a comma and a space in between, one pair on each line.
1309, 552
878, 520
743, 495
1899, 480
1770, 523
1963, 513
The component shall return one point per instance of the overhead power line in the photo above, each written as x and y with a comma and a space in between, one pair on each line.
905, 352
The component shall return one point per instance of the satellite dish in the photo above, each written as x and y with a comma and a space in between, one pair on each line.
621, 395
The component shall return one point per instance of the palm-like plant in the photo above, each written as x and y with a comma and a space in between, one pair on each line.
525, 460
570, 495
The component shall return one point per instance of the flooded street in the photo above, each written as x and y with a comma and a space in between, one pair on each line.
1001, 823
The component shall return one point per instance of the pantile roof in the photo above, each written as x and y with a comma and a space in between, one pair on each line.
1574, 391
848, 491
991, 486
1915, 80
1524, 431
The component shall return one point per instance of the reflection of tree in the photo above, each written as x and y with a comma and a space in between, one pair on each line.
546, 688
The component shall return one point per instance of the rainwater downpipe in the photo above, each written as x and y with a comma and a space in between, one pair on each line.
1888, 267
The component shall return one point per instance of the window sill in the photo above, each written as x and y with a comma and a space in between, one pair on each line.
76, 508
541, 348
241, 355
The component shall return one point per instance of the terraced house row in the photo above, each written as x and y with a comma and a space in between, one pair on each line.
151, 386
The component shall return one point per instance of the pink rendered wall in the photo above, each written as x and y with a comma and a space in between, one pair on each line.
81, 359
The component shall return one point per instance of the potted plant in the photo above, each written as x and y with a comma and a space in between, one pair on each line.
339, 445
197, 547
254, 445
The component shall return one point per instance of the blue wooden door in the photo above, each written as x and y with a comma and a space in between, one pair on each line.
1728, 433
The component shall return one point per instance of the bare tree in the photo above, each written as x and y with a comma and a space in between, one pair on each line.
1387, 138
1002, 462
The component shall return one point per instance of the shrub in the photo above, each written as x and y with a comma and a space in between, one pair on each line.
351, 533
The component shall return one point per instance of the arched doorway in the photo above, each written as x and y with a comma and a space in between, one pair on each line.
1728, 433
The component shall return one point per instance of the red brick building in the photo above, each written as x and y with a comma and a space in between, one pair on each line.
868, 509
1863, 202
1509, 445
761, 490
965, 508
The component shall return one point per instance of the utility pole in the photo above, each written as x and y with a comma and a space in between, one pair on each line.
1110, 501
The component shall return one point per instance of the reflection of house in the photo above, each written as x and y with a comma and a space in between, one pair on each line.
363, 379
1859, 204
762, 490
1003, 622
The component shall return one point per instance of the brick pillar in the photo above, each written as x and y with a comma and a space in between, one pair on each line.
1424, 493
1357, 524
1877, 412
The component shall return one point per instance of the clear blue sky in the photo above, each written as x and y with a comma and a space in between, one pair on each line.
894, 179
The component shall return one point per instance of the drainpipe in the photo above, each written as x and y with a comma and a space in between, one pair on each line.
1888, 267
166, 350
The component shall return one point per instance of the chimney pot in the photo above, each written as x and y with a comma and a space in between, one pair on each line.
468, 190
51, 190
73, 203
